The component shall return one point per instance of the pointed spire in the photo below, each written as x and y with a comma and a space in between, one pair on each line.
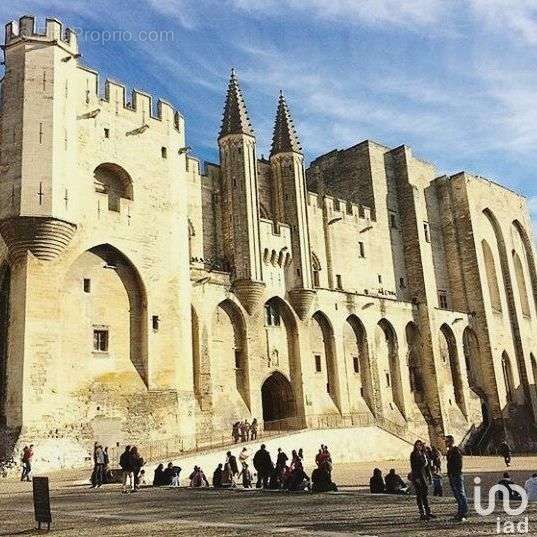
235, 120
285, 138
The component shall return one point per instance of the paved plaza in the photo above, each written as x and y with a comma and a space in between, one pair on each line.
78, 510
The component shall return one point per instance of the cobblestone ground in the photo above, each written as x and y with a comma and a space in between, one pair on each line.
351, 511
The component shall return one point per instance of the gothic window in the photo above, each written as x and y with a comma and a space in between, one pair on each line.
521, 284
492, 281
442, 299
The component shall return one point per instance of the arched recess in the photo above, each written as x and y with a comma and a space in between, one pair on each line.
513, 317
448, 351
230, 356
530, 260
521, 284
113, 180
471, 355
105, 308
415, 366
5, 282
316, 270
508, 379
387, 355
323, 348
357, 357
277, 399
492, 279
201, 365
282, 345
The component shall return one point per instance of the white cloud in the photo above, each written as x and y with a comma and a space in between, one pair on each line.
517, 19
393, 12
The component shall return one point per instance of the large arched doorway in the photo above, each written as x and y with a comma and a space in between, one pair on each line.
278, 400
448, 351
387, 354
357, 358
105, 310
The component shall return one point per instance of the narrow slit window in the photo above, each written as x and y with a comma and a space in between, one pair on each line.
356, 364
87, 285
164, 152
107, 133
318, 367
361, 249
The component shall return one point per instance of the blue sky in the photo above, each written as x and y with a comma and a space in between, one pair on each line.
454, 79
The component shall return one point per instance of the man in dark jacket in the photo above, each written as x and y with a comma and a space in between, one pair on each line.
264, 467
421, 477
126, 468
456, 478
505, 452
232, 460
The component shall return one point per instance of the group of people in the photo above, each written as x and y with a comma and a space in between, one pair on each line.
244, 431
101, 466
425, 470
131, 463
268, 475
285, 474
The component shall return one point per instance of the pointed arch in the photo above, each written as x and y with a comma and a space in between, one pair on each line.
277, 399
521, 284
229, 364
509, 383
492, 279
415, 367
323, 346
387, 354
530, 260
448, 349
472, 355
282, 337
357, 356
112, 306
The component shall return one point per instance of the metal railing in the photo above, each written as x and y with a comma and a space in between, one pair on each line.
175, 446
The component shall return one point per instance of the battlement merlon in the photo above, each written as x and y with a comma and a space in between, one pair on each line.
25, 30
140, 102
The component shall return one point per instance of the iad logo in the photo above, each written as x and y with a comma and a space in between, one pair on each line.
503, 526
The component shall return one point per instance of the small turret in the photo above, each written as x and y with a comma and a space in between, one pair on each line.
285, 138
235, 119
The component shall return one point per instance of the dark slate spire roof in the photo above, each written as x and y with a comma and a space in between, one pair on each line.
235, 120
285, 138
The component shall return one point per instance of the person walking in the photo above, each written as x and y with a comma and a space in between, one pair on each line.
136, 463
244, 456
99, 461
421, 477
235, 433
505, 451
126, 470
232, 461
264, 467
253, 429
247, 429
456, 478
26, 460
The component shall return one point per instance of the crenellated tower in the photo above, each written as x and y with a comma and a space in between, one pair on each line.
239, 198
289, 184
36, 116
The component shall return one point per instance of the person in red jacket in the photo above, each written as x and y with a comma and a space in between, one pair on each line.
27, 454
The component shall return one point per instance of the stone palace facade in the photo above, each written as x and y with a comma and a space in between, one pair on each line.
144, 296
